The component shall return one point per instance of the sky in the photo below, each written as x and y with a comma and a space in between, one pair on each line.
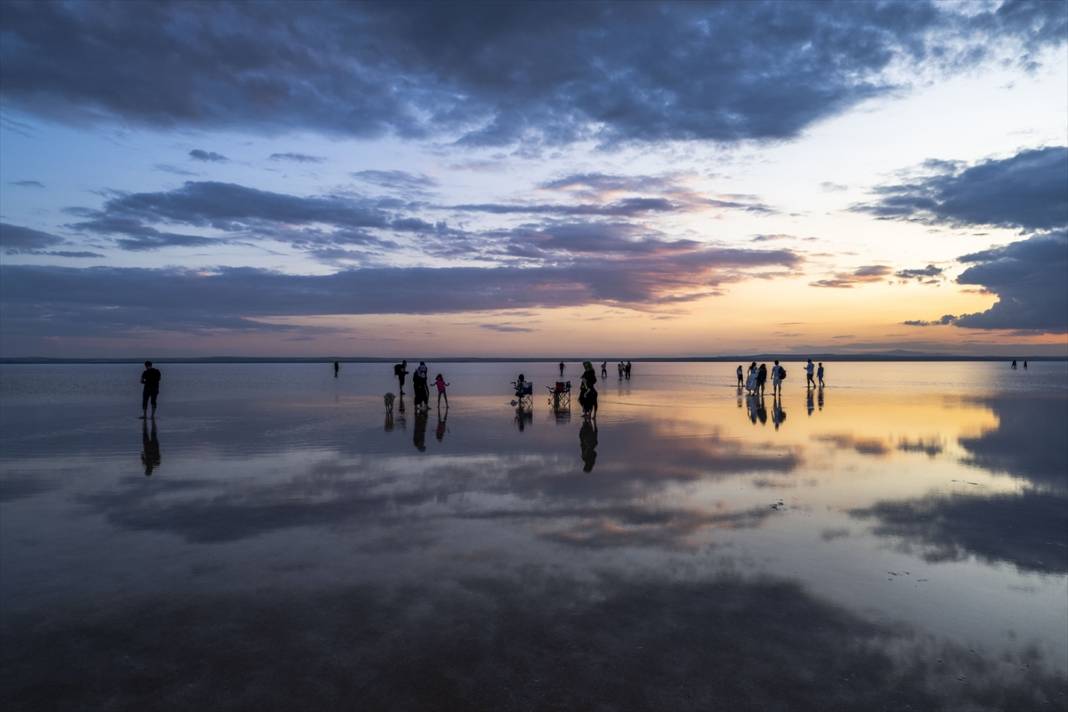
537, 179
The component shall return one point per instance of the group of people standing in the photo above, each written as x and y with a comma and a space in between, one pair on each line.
421, 385
756, 378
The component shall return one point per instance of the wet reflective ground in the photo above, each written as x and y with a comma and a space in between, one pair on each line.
896, 540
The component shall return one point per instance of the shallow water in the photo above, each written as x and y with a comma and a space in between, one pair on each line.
896, 540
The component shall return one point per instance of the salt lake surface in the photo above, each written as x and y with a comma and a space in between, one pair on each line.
897, 540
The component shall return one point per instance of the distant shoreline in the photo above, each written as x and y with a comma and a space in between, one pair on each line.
542, 359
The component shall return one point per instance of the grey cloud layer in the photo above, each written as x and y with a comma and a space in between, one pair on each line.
616, 72
1028, 190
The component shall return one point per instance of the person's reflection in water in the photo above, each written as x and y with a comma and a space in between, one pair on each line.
739, 395
762, 411
419, 437
751, 407
778, 415
819, 397
588, 443
442, 427
389, 422
808, 401
523, 417
150, 457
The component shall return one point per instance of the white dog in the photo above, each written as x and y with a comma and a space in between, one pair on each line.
388, 400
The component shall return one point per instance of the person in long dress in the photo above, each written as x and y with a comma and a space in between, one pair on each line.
751, 380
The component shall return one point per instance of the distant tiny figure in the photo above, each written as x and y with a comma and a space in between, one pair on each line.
400, 371
809, 370
337, 367
777, 374
741, 380
1025, 364
150, 457
561, 368
604, 369
620, 367
626, 370
150, 377
762, 378
819, 374
439, 381
1014, 364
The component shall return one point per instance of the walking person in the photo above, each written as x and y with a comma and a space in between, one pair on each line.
740, 373
400, 371
150, 379
819, 374
777, 373
439, 381
604, 369
809, 369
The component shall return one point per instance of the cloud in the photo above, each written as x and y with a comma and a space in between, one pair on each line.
636, 72
943, 321
1030, 278
1028, 190
175, 170
505, 328
296, 157
54, 300
15, 239
208, 156
921, 273
861, 275
829, 187
397, 180
27, 183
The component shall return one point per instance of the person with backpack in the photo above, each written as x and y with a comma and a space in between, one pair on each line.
778, 375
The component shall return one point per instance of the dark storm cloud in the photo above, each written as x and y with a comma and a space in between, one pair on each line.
1028, 190
296, 157
207, 156
615, 72
861, 275
27, 183
1030, 278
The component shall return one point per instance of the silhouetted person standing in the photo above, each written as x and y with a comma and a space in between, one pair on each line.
604, 369
400, 371
150, 457
741, 380
809, 370
626, 370
776, 378
762, 378
150, 378
561, 369
819, 374
1025, 365
337, 367
1014, 364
